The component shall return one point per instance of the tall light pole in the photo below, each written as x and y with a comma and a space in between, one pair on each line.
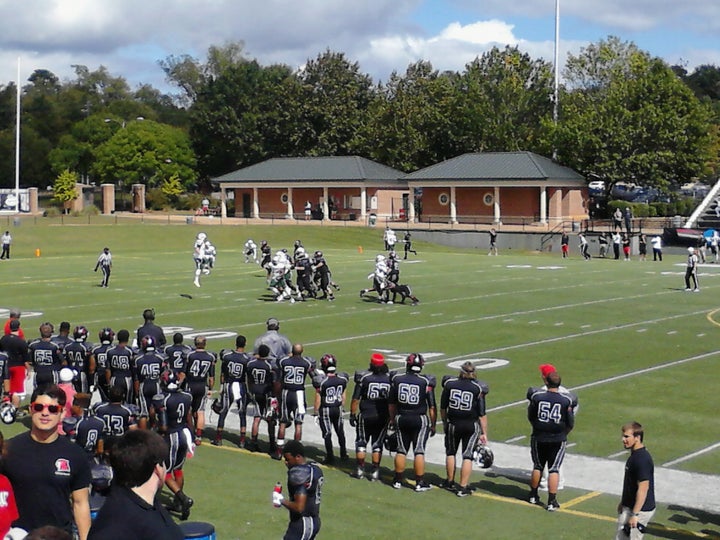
556, 85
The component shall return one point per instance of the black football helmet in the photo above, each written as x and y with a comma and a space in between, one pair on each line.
148, 343
80, 333
102, 476
8, 412
318, 254
483, 457
391, 441
106, 335
217, 405
169, 380
415, 362
328, 363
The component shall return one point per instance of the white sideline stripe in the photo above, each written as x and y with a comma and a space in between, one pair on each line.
516, 439
617, 454
693, 455
620, 377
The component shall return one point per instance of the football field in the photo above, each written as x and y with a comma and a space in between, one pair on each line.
624, 335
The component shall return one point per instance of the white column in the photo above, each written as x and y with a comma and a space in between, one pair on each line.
411, 206
256, 204
543, 205
290, 212
326, 217
453, 206
363, 203
496, 205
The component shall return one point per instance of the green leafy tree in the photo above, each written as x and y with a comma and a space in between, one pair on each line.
172, 188
627, 117
64, 188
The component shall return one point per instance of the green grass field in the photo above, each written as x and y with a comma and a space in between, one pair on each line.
603, 323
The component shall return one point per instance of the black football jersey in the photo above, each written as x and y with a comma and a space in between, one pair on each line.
233, 366
260, 377
45, 356
119, 361
306, 479
77, 355
463, 399
373, 390
177, 357
200, 366
412, 393
331, 389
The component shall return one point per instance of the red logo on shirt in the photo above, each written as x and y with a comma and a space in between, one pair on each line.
62, 467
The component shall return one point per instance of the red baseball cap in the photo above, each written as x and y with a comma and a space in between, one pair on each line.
547, 369
377, 359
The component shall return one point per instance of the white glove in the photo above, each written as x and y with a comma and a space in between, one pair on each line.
277, 499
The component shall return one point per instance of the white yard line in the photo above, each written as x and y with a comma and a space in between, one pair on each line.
693, 455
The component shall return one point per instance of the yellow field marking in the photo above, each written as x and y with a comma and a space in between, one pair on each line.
582, 498
709, 317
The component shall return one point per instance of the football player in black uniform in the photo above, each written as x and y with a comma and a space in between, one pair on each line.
304, 483
329, 403
290, 388
63, 336
369, 413
266, 252
177, 355
120, 361
199, 380
46, 358
393, 264
148, 368
98, 357
462, 409
174, 421
407, 239
322, 276
412, 411
233, 389
303, 267
260, 384
79, 358
552, 418
89, 429
117, 416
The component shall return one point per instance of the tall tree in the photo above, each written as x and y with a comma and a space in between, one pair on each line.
627, 117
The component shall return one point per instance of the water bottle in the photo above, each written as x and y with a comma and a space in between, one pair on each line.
277, 489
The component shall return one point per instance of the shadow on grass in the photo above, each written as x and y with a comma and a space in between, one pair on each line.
684, 516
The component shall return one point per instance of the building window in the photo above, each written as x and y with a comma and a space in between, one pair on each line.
444, 199
284, 198
488, 199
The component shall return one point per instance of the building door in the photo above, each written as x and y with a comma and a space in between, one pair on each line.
247, 205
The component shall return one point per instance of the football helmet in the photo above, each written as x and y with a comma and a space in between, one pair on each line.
169, 380
148, 343
379, 258
392, 255
300, 253
263, 243
318, 254
391, 441
217, 405
80, 333
297, 244
8, 412
106, 335
328, 363
102, 476
201, 237
483, 457
415, 362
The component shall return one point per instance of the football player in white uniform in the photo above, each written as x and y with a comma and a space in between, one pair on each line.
250, 250
379, 277
278, 283
210, 254
199, 256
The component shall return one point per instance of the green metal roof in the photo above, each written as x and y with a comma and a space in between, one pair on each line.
341, 168
496, 166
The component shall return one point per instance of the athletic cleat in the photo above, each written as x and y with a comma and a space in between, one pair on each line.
688, 289
696, 290
553, 506
359, 473
397, 485
463, 492
375, 476
449, 485
198, 441
252, 446
185, 510
277, 454
534, 499
196, 283
421, 486
242, 443
217, 442
362, 293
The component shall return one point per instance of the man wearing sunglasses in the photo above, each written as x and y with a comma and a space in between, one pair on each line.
50, 474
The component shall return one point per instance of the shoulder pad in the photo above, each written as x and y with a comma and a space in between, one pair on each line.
532, 390
343, 375
445, 379
300, 475
484, 386
359, 375
432, 380
318, 378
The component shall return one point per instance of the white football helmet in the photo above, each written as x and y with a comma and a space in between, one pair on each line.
379, 258
8, 412
201, 237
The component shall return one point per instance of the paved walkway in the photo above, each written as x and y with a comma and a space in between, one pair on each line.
686, 489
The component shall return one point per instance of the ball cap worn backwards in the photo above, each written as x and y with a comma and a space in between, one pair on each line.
547, 369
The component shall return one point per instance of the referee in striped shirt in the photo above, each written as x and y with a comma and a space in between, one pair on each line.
104, 262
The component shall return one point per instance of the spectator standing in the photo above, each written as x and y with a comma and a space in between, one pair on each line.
8, 510
603, 241
132, 509
628, 220
584, 246
149, 328
14, 314
565, 245
626, 246
642, 246
18, 361
637, 504
49, 473
493, 242
691, 271
308, 210
617, 241
6, 241
617, 219
656, 243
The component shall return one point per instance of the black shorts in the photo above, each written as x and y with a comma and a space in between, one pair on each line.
461, 434
305, 528
413, 430
370, 429
547, 453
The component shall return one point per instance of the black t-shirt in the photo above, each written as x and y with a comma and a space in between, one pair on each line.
125, 515
639, 467
43, 477
16, 348
152, 330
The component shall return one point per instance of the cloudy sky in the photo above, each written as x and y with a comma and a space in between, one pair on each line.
128, 37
